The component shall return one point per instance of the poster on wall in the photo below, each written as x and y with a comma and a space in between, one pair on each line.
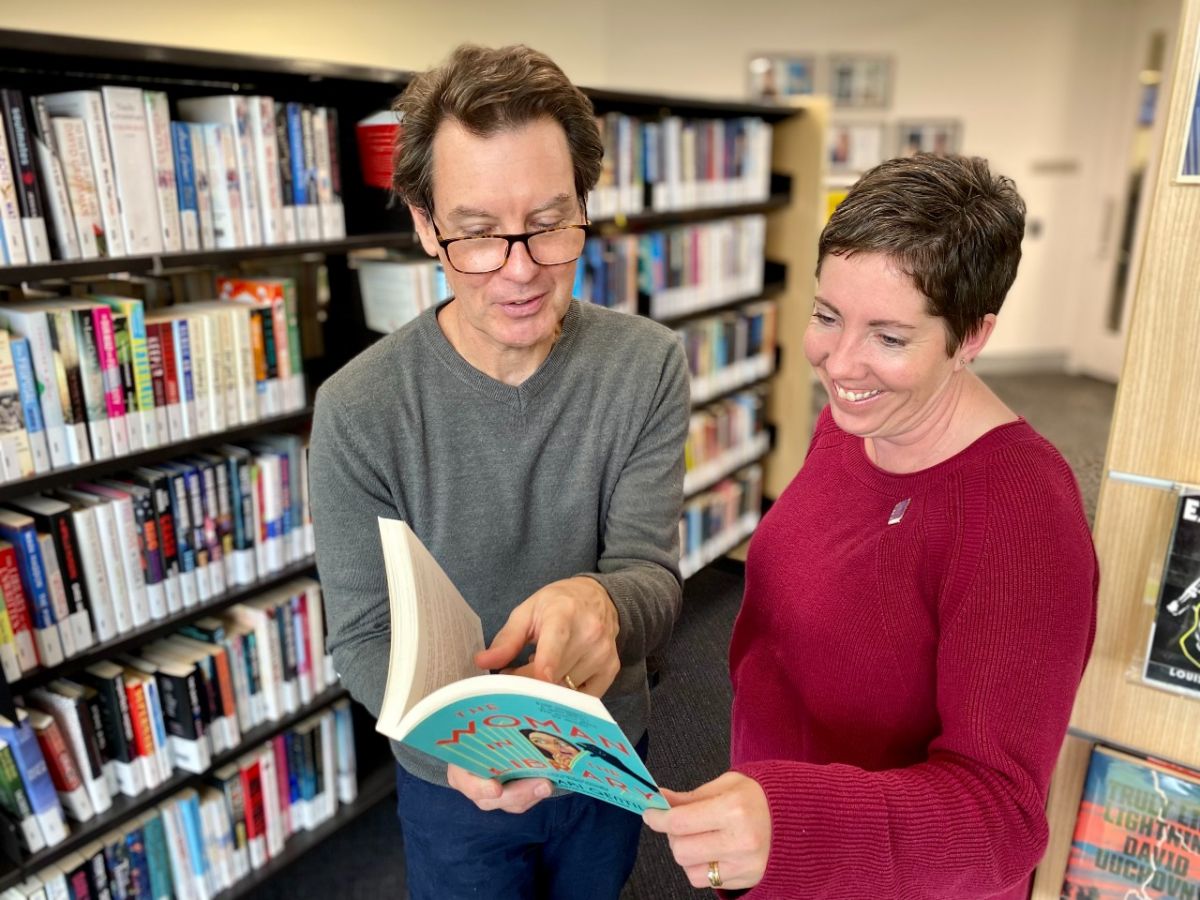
1189, 165
777, 76
940, 136
855, 147
860, 82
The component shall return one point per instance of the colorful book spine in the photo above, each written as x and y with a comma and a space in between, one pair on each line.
31, 406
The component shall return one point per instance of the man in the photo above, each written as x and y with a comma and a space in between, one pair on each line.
533, 443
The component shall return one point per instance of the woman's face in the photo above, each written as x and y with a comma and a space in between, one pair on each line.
551, 744
879, 353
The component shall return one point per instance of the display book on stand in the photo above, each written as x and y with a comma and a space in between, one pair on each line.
1138, 827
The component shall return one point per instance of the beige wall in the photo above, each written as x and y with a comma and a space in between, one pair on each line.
1042, 87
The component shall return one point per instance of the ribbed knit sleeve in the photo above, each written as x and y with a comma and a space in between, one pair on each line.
639, 563
1012, 576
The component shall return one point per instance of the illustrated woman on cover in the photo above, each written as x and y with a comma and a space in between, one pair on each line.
920, 601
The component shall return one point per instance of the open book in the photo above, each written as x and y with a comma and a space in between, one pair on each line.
496, 726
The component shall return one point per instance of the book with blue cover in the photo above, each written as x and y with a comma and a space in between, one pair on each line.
495, 726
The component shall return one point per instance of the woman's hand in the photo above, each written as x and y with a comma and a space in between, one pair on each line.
726, 821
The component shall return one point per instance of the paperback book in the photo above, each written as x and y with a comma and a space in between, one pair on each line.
496, 726
1173, 658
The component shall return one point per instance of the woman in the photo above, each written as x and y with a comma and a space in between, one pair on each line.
920, 601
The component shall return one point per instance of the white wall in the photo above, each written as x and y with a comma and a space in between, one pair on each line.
1037, 84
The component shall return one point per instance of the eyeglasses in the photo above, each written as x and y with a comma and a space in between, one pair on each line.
489, 252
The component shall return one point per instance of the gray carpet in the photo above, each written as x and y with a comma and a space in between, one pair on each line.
690, 718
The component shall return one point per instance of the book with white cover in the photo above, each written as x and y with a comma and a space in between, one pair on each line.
70, 135
89, 107
158, 130
133, 166
233, 110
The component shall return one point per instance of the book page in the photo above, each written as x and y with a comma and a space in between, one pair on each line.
435, 633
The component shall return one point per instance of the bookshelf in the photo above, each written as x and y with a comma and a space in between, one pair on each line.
1155, 422
334, 329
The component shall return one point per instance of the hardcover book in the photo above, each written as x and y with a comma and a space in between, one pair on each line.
496, 726
1137, 833
1173, 658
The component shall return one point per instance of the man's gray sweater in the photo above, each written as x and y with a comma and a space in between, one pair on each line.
578, 470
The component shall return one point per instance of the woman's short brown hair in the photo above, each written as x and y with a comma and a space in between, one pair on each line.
948, 222
486, 91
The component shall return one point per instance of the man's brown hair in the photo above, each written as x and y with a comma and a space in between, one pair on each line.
487, 91
951, 225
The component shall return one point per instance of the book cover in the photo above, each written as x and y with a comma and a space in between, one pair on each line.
19, 530
61, 764
31, 407
12, 246
29, 187
1173, 658
158, 130
1137, 833
88, 107
496, 726
16, 457
14, 800
133, 168
31, 323
199, 162
35, 776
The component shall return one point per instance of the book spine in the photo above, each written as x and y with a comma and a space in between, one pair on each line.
66, 542
15, 801
185, 183
16, 459
156, 369
36, 777
58, 203
133, 416
185, 376
92, 113
134, 168
61, 325
29, 192
158, 130
70, 136
172, 387
57, 589
34, 326
33, 580
94, 394
31, 406
110, 370
17, 605
63, 772
203, 188
286, 191
95, 572
12, 248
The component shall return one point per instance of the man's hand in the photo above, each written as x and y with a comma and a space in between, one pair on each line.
516, 796
573, 625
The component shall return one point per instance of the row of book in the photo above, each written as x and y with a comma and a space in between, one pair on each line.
128, 725
722, 428
727, 350
199, 842
672, 163
1137, 833
109, 173
98, 378
606, 273
83, 565
396, 291
694, 267
716, 521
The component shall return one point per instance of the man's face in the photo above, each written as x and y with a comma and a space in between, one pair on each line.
515, 181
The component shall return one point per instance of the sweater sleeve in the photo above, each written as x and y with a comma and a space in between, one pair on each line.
1017, 610
639, 559
347, 495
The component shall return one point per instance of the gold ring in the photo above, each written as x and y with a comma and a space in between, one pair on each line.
570, 683
714, 874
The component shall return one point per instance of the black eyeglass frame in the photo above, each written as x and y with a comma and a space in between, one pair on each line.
522, 238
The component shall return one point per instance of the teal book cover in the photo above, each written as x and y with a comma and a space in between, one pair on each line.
506, 727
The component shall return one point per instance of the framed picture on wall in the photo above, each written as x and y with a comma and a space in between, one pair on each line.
940, 136
1189, 163
776, 76
855, 146
860, 82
